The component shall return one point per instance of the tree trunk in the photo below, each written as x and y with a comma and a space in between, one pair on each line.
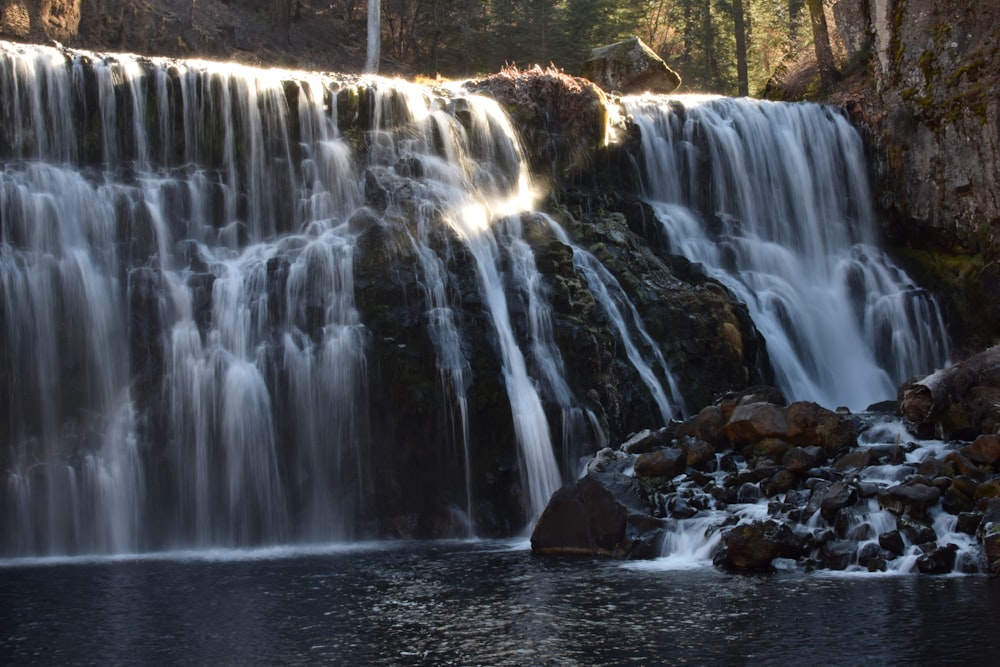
374, 36
962, 400
739, 23
708, 35
821, 40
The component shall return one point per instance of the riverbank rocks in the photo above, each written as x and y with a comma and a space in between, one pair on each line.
630, 67
794, 485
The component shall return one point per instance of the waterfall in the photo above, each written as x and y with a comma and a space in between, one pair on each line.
773, 201
184, 360
244, 307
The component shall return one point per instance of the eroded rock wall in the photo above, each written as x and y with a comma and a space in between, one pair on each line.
933, 106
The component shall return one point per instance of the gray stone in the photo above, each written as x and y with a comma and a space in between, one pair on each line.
630, 67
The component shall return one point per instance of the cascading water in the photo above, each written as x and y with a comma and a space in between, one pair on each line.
772, 200
184, 361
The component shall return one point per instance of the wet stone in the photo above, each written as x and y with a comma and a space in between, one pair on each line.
913, 499
892, 542
968, 522
855, 460
838, 554
940, 560
838, 496
915, 531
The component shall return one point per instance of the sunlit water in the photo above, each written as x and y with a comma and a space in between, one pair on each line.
466, 603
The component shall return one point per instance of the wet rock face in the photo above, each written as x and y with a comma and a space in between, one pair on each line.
849, 495
935, 119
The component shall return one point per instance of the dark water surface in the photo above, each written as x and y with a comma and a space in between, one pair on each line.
478, 603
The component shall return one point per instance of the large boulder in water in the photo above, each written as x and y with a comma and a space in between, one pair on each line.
602, 514
753, 546
630, 67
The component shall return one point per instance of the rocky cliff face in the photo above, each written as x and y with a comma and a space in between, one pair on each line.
40, 19
933, 110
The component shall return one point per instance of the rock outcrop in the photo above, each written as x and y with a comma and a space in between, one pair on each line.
629, 67
40, 20
932, 110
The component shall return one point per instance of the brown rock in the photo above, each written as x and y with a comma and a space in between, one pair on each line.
753, 422
798, 459
811, 424
855, 460
668, 462
987, 491
986, 450
697, 451
989, 535
963, 466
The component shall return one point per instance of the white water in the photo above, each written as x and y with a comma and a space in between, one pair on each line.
690, 543
773, 200
175, 236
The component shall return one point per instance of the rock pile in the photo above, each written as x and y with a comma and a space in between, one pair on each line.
760, 484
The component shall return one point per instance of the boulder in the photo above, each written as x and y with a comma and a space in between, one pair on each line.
781, 481
698, 452
753, 422
630, 67
811, 424
838, 554
801, 423
642, 442
916, 530
912, 499
708, 425
855, 460
603, 515
799, 459
939, 560
872, 557
838, 496
668, 462
752, 546
892, 543
985, 450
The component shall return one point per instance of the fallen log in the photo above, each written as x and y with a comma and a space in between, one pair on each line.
961, 401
